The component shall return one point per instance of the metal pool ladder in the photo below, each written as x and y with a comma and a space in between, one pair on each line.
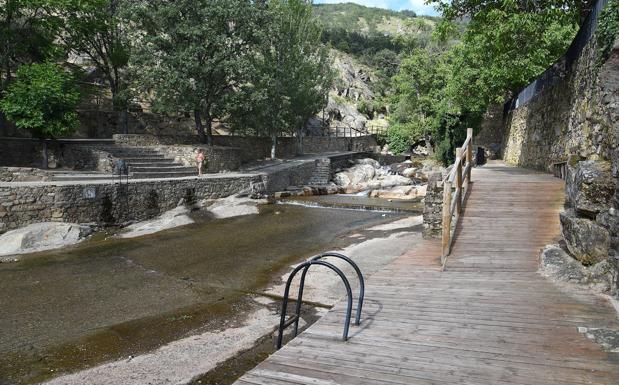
316, 260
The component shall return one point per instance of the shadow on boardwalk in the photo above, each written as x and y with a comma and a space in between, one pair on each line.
489, 318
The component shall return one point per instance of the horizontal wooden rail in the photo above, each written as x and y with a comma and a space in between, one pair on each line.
459, 178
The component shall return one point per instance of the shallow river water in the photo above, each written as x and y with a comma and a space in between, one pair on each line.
104, 299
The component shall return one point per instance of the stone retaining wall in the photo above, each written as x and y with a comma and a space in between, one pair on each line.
109, 204
256, 148
218, 158
576, 119
25, 152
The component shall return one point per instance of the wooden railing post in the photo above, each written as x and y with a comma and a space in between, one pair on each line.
446, 219
459, 179
469, 154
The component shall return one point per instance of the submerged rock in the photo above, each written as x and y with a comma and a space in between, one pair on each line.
234, 206
42, 236
168, 220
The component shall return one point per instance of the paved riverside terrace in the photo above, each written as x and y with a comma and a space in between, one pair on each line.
489, 318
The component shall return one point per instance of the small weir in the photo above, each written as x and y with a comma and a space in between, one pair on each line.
358, 203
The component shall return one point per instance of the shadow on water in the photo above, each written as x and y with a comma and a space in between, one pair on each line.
105, 299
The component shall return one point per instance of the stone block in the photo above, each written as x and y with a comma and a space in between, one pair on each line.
591, 188
586, 240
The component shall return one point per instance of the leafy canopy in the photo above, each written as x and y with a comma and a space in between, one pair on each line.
291, 73
42, 99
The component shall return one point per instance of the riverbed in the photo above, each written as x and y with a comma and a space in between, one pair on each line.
109, 298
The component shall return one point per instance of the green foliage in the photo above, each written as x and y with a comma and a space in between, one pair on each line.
26, 35
357, 18
42, 99
608, 30
503, 50
196, 53
401, 136
99, 29
290, 73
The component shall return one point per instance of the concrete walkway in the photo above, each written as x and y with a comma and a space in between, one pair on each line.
489, 318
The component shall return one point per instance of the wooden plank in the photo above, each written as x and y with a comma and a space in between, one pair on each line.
488, 318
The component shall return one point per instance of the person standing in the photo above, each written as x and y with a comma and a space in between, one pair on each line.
200, 161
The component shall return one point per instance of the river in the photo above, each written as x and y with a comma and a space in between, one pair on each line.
107, 298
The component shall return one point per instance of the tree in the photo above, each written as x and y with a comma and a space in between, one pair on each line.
291, 75
42, 99
26, 36
99, 30
194, 53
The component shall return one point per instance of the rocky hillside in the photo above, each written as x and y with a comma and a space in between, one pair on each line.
366, 46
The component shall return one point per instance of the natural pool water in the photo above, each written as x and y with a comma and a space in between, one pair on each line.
104, 299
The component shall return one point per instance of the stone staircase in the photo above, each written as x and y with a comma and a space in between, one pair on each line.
322, 173
146, 162
143, 163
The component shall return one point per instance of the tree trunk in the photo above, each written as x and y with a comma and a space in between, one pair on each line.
199, 126
273, 144
209, 130
44, 164
299, 141
429, 145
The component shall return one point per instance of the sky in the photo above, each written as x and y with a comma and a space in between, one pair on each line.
397, 5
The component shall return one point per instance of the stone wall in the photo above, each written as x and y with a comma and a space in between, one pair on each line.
25, 152
574, 115
23, 174
576, 119
433, 206
257, 148
218, 158
109, 204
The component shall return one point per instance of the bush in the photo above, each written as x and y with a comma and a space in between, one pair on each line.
401, 136
42, 99
608, 30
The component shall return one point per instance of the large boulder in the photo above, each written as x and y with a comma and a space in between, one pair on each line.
591, 187
559, 266
42, 236
170, 219
587, 241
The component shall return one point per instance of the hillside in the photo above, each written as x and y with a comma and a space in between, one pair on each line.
366, 20
367, 44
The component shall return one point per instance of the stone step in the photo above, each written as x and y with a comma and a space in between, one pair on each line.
167, 168
82, 177
163, 174
151, 158
159, 163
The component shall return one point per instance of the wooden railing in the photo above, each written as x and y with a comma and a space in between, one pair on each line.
459, 178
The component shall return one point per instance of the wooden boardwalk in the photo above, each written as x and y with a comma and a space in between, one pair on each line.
489, 318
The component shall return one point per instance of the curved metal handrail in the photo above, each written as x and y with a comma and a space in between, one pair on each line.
305, 265
359, 276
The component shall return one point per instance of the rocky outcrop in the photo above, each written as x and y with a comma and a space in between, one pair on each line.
168, 220
368, 175
42, 236
558, 265
587, 241
233, 206
591, 187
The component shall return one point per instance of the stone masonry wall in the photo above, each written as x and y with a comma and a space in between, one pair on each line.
24, 152
218, 158
572, 116
255, 148
577, 120
433, 206
109, 204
